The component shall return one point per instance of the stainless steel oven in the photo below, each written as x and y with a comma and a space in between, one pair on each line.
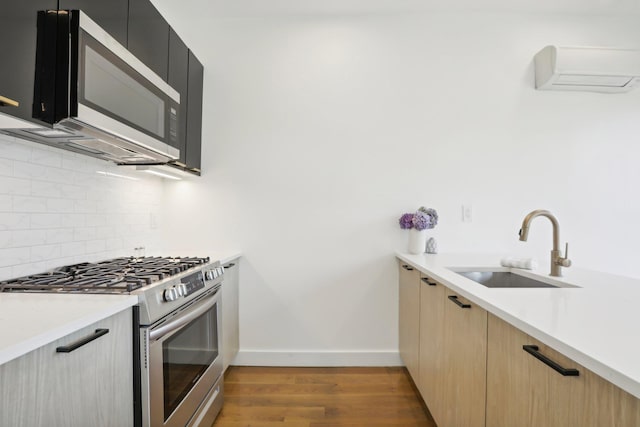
181, 360
177, 330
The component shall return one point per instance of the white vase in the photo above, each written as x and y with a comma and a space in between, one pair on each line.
417, 241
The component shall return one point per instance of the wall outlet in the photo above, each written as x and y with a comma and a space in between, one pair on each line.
467, 213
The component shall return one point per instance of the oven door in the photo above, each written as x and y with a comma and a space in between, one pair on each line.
184, 364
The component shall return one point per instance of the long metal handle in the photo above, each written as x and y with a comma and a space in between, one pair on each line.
406, 267
69, 348
8, 102
458, 302
534, 351
230, 265
184, 318
428, 282
204, 410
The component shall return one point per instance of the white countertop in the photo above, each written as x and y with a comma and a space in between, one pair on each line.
595, 324
29, 321
226, 256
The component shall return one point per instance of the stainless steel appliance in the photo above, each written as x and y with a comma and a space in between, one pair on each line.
99, 99
176, 326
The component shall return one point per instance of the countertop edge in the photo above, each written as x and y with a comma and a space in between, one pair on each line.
20, 349
228, 258
605, 371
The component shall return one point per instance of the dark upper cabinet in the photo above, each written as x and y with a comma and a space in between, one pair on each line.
148, 36
18, 35
111, 15
179, 79
194, 113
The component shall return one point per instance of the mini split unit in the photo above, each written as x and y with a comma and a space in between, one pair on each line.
595, 69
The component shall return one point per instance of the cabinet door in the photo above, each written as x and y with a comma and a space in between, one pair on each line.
409, 319
110, 15
148, 36
230, 311
89, 386
465, 363
522, 391
18, 35
194, 113
179, 79
431, 341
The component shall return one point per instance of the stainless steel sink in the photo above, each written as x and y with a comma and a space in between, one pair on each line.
503, 279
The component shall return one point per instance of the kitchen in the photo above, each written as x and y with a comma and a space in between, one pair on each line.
321, 126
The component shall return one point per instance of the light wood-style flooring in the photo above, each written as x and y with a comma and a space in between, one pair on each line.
321, 397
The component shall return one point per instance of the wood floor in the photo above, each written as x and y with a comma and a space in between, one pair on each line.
321, 397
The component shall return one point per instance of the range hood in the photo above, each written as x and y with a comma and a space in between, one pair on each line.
92, 96
74, 135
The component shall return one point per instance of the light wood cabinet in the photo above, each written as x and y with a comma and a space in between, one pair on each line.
409, 319
230, 312
431, 381
89, 386
524, 391
464, 351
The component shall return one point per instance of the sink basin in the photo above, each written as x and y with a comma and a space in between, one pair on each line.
503, 279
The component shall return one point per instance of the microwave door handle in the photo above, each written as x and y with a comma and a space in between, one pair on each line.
183, 319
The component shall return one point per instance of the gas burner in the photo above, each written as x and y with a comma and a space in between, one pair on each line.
116, 276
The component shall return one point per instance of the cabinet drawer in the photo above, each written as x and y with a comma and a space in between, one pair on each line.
91, 383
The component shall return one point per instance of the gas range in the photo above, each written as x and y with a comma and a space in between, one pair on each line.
162, 283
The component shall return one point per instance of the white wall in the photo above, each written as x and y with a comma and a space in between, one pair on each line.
320, 132
55, 209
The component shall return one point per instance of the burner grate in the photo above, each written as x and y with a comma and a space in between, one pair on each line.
116, 276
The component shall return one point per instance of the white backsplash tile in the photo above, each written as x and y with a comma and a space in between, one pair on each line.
46, 220
5, 239
6, 167
29, 204
59, 235
27, 238
11, 148
14, 221
45, 252
14, 256
55, 209
6, 273
6, 203
47, 157
12, 185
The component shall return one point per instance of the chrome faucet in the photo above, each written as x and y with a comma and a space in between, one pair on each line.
557, 260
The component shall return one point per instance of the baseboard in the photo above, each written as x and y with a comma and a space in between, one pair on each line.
317, 359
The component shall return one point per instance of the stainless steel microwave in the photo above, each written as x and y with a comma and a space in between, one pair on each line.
99, 99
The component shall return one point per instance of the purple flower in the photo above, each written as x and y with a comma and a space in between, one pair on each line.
421, 221
431, 213
406, 221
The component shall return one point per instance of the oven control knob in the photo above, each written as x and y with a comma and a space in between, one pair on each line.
182, 290
214, 273
220, 270
208, 275
170, 294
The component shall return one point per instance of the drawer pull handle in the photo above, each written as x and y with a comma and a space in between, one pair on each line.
229, 265
406, 267
428, 282
535, 352
69, 348
458, 302
8, 102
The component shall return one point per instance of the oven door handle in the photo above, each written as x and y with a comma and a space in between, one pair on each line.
184, 318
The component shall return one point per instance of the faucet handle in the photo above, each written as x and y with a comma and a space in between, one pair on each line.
565, 261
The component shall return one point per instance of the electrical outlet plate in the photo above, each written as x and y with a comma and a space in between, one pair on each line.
467, 213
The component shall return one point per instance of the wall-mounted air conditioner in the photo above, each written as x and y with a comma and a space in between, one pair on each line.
595, 69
